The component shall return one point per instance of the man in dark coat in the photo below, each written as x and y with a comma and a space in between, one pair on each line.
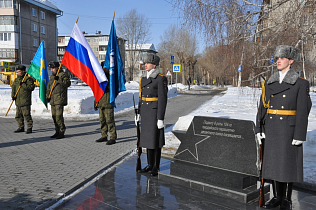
23, 100
58, 98
282, 120
106, 113
153, 94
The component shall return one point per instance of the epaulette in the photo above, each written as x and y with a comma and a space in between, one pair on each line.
302, 78
161, 75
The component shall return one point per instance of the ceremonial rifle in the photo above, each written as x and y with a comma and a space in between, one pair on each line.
261, 189
139, 149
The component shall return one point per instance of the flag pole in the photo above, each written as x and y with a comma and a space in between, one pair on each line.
114, 15
15, 95
51, 90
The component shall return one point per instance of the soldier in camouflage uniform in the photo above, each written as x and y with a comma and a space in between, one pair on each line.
58, 98
106, 112
23, 100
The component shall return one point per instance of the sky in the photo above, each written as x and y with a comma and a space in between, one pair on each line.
96, 15
237, 103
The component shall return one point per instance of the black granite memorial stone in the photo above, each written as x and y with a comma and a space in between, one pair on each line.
226, 144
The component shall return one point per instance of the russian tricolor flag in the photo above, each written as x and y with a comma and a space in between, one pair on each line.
81, 61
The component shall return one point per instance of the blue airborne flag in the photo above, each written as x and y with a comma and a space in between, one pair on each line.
113, 62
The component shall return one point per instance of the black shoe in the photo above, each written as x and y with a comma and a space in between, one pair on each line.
146, 169
274, 202
286, 204
55, 135
154, 171
29, 130
19, 130
60, 136
101, 139
110, 142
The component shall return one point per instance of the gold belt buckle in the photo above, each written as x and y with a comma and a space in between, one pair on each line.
275, 111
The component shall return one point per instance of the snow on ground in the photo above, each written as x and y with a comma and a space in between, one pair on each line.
237, 103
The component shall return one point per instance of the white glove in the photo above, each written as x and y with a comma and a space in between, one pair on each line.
260, 136
137, 117
297, 142
160, 124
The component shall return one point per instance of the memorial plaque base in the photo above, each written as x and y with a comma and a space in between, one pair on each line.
236, 186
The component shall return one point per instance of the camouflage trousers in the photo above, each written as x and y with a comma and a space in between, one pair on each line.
57, 114
24, 113
107, 123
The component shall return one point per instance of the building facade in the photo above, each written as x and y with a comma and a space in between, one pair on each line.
24, 24
98, 43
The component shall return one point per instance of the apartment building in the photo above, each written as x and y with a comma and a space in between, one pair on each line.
24, 24
98, 43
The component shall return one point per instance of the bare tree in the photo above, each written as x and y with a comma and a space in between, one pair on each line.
135, 28
181, 43
262, 23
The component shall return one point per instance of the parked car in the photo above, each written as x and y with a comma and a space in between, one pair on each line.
74, 81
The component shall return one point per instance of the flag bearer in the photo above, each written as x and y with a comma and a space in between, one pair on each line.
283, 114
58, 98
153, 91
106, 113
23, 99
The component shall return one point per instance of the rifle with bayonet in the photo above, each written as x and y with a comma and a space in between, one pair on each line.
139, 149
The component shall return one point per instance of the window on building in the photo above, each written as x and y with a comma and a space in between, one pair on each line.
1, 36
43, 29
7, 20
103, 48
34, 12
102, 57
35, 42
88, 39
5, 36
6, 4
9, 36
34, 27
42, 15
61, 40
96, 49
67, 39
96, 39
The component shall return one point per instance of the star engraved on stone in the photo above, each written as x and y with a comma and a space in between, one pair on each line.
191, 143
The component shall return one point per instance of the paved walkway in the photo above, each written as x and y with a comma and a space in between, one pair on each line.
37, 170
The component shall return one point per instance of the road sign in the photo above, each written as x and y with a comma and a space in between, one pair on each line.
168, 73
172, 59
6, 65
176, 68
271, 59
239, 68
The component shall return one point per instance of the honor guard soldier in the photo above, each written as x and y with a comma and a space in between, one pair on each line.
281, 126
153, 94
106, 114
58, 98
23, 99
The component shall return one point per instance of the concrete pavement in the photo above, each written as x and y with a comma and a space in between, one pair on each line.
36, 170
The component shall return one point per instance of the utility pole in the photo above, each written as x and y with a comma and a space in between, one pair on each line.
240, 67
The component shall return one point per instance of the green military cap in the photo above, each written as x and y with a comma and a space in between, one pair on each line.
21, 67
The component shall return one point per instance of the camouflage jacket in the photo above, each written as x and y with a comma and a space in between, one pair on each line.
24, 97
104, 102
59, 93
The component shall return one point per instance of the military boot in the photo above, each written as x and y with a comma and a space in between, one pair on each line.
19, 130
55, 135
111, 142
150, 160
29, 130
60, 136
155, 170
102, 139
